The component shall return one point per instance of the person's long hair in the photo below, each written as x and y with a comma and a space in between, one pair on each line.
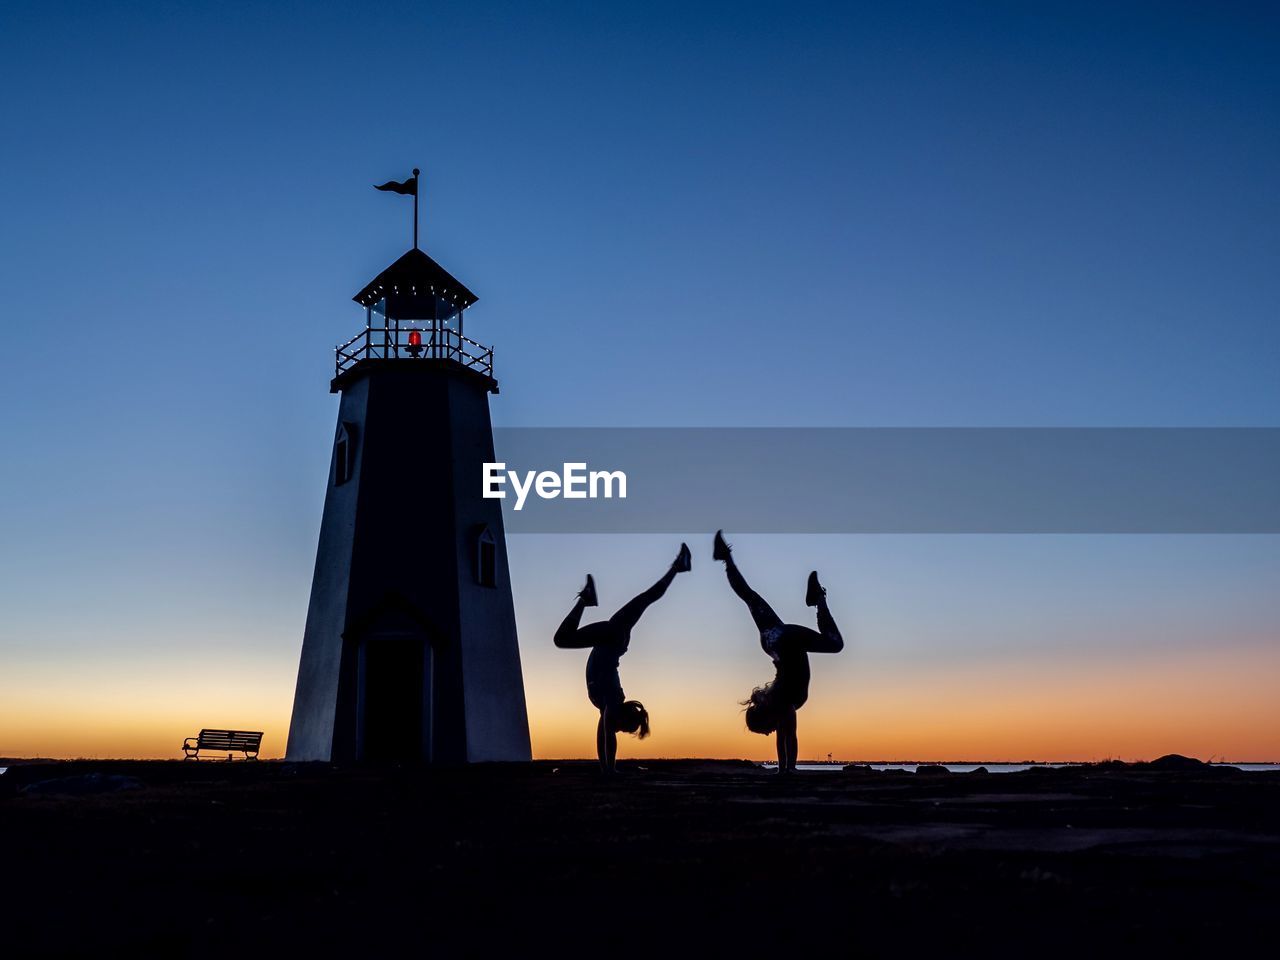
761, 712
634, 718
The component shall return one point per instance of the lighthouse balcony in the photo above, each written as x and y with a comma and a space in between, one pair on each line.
408, 342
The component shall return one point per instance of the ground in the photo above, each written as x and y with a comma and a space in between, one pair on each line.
674, 858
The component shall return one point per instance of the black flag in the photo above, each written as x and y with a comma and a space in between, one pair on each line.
409, 187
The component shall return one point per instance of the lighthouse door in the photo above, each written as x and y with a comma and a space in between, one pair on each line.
394, 698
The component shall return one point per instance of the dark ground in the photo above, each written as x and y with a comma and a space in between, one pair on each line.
218, 859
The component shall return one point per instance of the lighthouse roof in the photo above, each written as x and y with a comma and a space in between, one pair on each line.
415, 275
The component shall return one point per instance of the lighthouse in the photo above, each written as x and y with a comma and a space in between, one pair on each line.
409, 652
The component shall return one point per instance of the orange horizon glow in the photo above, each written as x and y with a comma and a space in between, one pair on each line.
1220, 705
1217, 706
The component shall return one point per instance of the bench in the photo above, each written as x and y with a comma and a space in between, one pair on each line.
223, 741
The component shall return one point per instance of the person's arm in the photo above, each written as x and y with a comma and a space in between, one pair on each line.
793, 742
606, 743
786, 737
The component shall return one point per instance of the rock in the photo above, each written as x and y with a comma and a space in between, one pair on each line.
1176, 761
979, 770
860, 768
931, 770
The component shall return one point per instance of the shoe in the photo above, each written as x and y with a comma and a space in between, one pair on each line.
588, 593
720, 550
814, 593
684, 559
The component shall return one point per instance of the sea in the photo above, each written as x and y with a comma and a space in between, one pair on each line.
996, 767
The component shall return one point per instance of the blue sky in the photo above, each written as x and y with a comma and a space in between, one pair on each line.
747, 214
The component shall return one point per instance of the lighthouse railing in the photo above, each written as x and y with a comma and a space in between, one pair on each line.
406, 342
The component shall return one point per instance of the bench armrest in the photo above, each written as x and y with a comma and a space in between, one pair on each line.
190, 742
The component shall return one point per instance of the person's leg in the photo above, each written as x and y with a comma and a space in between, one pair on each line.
829, 638
761, 612
826, 639
567, 634
630, 612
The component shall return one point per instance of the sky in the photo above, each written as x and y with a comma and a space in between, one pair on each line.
748, 214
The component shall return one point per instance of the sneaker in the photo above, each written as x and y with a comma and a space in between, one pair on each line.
684, 559
814, 593
720, 550
588, 593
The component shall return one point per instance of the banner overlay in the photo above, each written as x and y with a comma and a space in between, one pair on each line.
897, 480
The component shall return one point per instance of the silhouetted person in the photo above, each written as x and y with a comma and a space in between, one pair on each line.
608, 640
772, 708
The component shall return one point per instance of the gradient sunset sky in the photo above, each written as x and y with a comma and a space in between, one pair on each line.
921, 214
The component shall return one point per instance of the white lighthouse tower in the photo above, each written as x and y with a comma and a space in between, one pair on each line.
410, 650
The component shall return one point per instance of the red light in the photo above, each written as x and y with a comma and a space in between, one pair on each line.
415, 338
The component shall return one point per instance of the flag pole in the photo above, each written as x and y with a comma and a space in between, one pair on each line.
415, 208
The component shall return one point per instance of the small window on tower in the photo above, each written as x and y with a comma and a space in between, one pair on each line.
486, 559
343, 454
